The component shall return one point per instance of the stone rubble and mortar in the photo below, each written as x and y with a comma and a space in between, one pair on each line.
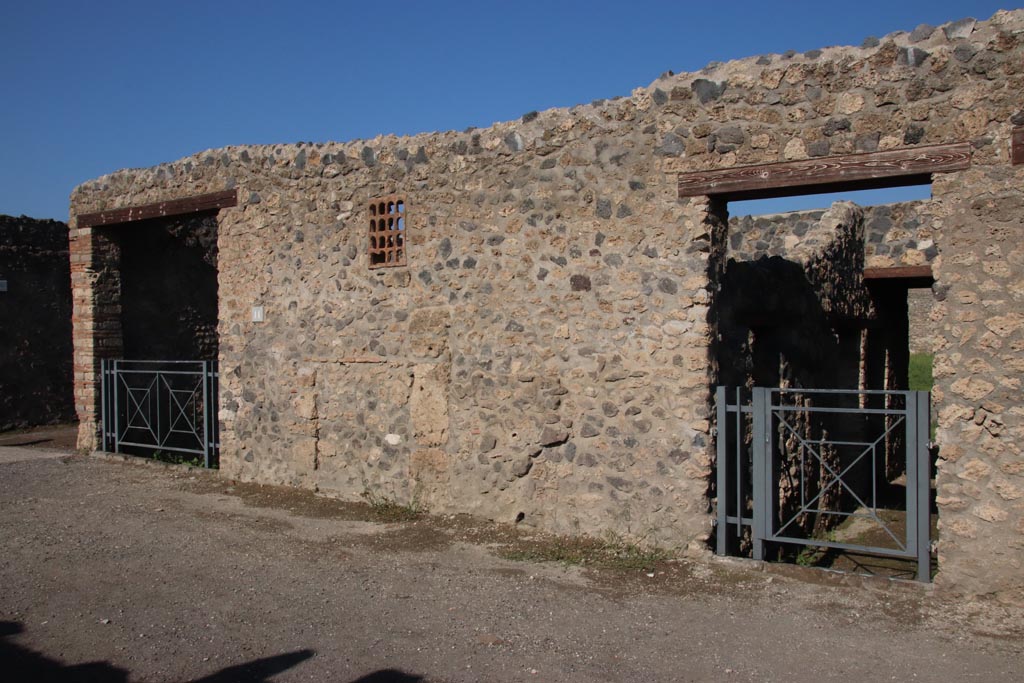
545, 354
35, 323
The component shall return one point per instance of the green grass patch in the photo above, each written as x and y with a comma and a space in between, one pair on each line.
920, 375
174, 458
921, 379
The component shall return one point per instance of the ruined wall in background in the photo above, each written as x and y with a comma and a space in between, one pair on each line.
545, 355
894, 235
35, 323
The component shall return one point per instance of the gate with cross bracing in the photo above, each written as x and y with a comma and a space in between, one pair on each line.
837, 470
151, 406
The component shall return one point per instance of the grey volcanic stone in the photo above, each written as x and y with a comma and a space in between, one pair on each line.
732, 135
961, 28
964, 52
514, 142
677, 456
914, 134
580, 283
671, 146
818, 148
922, 32
912, 56
867, 142
833, 126
707, 91
668, 286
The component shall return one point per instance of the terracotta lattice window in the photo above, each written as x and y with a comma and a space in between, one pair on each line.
387, 232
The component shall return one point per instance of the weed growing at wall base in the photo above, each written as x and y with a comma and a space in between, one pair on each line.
390, 510
609, 552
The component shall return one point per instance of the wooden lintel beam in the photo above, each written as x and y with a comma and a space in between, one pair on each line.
899, 273
896, 167
173, 207
1017, 146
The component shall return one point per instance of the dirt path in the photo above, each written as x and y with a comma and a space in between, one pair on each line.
112, 572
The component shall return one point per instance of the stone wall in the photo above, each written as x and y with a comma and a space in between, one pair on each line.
545, 356
894, 235
35, 323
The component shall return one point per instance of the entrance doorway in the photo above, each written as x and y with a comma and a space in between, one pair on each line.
813, 320
157, 345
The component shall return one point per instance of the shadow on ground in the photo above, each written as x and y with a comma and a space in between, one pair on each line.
22, 664
50, 437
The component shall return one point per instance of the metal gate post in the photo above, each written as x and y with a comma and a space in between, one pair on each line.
761, 484
103, 404
116, 409
922, 426
215, 415
206, 414
721, 547
913, 474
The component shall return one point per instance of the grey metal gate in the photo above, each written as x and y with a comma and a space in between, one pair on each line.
160, 405
794, 460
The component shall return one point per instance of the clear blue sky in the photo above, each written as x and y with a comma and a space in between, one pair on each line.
93, 86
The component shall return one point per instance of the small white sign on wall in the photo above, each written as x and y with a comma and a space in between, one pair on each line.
257, 314
3, 285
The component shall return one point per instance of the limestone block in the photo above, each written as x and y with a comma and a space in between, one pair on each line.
1006, 489
304, 455
990, 513
795, 149
963, 528
428, 403
428, 331
972, 388
975, 470
849, 103
305, 406
429, 465
1005, 325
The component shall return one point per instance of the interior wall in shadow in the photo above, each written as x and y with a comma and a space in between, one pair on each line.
169, 288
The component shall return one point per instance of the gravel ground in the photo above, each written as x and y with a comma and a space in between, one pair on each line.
112, 571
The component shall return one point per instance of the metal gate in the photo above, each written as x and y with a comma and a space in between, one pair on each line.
794, 465
161, 405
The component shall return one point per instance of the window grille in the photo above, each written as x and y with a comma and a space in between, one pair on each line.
387, 232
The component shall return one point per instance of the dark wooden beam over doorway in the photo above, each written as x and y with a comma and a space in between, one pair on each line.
898, 272
894, 168
174, 207
911, 277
